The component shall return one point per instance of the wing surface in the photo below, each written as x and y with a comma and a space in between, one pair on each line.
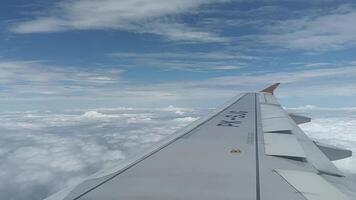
249, 149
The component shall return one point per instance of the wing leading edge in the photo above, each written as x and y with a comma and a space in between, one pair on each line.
250, 148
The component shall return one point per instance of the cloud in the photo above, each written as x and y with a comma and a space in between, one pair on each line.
315, 32
337, 81
185, 119
39, 72
279, 27
187, 61
95, 114
20, 78
156, 17
335, 128
176, 110
66, 147
41, 85
317, 108
180, 32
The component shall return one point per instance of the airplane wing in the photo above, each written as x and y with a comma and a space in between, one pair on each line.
248, 149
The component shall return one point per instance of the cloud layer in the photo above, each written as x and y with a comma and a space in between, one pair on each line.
42, 152
335, 126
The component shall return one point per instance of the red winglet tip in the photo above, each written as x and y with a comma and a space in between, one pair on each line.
271, 88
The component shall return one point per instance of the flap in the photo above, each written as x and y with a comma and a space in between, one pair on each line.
311, 185
276, 124
286, 145
272, 111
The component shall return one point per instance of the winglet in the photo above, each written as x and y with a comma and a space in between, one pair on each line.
271, 88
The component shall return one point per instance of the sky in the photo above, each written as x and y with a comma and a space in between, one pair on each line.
107, 53
86, 83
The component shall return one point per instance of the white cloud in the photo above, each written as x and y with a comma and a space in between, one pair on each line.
95, 114
185, 119
40, 72
317, 108
179, 31
210, 55
177, 110
59, 84
135, 15
336, 128
188, 61
287, 77
38, 78
66, 147
323, 82
226, 67
317, 32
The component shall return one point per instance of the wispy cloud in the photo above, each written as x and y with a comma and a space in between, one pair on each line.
321, 83
156, 17
310, 108
188, 61
290, 76
330, 30
37, 77
40, 72
313, 29
186, 55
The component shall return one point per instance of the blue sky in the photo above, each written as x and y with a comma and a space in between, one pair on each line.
108, 53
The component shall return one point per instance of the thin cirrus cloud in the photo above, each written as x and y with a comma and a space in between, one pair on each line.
325, 31
311, 29
136, 15
302, 82
187, 61
35, 79
38, 78
40, 72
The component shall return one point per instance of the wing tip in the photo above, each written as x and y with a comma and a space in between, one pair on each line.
271, 88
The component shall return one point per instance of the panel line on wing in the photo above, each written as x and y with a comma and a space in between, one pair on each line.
258, 185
